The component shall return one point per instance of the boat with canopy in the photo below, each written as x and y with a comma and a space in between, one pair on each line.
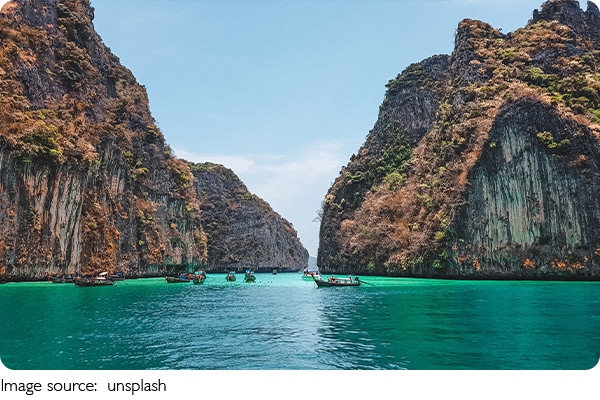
100, 280
308, 275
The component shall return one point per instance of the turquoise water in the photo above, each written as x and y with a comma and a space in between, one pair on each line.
284, 322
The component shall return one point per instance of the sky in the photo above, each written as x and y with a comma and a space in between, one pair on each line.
281, 91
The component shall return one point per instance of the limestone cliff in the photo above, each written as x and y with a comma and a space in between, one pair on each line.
482, 164
242, 229
87, 182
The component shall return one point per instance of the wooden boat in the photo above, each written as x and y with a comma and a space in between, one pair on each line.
100, 280
337, 282
309, 275
199, 278
87, 282
249, 277
183, 278
230, 277
63, 279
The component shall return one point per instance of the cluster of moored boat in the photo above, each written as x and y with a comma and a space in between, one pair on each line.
198, 278
103, 279
249, 277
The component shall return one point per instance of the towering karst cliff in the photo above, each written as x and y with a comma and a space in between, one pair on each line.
482, 164
86, 180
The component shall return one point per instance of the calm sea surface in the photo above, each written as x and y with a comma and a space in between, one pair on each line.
284, 322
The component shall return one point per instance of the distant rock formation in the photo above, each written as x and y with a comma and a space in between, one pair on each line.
243, 231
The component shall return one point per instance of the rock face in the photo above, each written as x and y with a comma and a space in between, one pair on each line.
482, 164
87, 182
242, 229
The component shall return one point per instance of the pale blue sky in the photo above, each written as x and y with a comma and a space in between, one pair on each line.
282, 92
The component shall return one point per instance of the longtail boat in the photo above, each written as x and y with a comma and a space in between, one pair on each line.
199, 278
93, 282
309, 275
183, 278
100, 280
336, 282
250, 278
63, 279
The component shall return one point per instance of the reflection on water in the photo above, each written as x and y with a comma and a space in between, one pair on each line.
283, 322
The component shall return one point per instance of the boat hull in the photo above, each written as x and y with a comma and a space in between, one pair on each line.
85, 283
322, 283
171, 279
